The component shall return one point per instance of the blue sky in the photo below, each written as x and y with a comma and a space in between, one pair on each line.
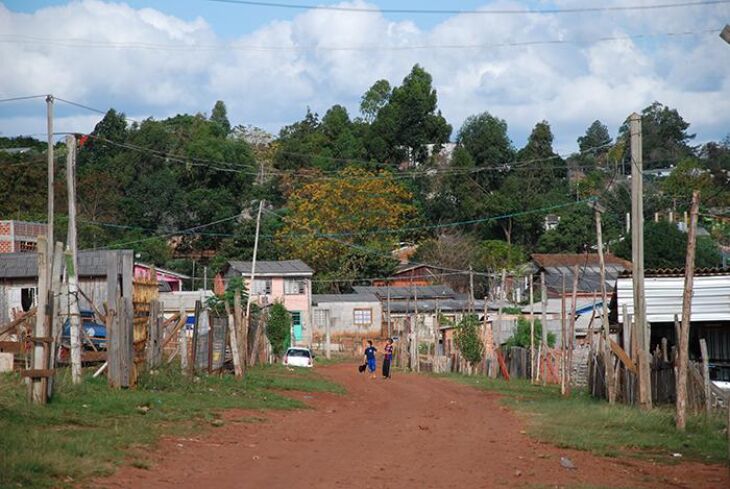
165, 57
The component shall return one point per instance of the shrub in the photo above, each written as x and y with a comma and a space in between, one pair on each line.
468, 340
521, 337
278, 329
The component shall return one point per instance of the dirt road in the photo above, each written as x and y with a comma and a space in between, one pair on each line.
409, 432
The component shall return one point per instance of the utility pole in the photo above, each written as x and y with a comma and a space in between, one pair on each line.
471, 289
689, 268
205, 278
49, 233
637, 259
532, 334
563, 340
257, 335
72, 268
544, 304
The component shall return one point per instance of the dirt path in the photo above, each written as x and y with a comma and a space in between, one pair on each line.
409, 432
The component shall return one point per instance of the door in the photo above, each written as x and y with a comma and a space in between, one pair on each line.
296, 320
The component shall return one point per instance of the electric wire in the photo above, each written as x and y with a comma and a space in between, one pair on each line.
548, 11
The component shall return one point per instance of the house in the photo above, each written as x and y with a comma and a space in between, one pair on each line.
561, 265
20, 236
288, 282
351, 316
663, 293
412, 274
19, 279
169, 281
429, 307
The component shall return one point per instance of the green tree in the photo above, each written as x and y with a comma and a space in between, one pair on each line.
665, 246
576, 233
596, 137
521, 337
278, 329
408, 122
374, 99
497, 255
468, 339
219, 116
687, 176
485, 138
541, 166
665, 139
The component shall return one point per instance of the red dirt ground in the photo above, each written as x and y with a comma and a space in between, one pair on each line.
408, 432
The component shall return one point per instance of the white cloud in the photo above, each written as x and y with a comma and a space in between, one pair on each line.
568, 84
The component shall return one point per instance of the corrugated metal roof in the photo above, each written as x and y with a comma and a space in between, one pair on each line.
663, 295
581, 259
400, 293
430, 306
324, 298
25, 265
273, 268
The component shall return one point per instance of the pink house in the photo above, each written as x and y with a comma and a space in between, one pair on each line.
169, 281
288, 282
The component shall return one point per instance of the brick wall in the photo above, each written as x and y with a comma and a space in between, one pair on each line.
6, 246
20, 236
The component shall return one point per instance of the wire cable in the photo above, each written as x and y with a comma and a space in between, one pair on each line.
551, 11
27, 97
76, 43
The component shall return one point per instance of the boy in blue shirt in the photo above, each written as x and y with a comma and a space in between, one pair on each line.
370, 358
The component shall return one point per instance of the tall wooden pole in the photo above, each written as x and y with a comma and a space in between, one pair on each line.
254, 354
637, 259
532, 334
543, 305
563, 340
608, 360
471, 289
37, 387
72, 262
689, 268
51, 174
571, 339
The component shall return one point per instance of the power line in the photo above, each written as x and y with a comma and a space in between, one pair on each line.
27, 97
76, 43
573, 10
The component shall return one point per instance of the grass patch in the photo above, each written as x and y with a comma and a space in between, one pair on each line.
89, 429
585, 423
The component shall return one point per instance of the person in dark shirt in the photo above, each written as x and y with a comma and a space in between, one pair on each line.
387, 358
370, 358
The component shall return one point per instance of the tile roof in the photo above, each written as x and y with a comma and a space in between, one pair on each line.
285, 267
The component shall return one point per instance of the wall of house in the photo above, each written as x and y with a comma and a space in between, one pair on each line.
293, 302
11, 292
341, 317
144, 272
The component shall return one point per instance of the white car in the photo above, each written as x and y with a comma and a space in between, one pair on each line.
299, 357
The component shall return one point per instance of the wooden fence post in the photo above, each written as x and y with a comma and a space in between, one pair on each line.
183, 342
706, 376
687, 314
38, 386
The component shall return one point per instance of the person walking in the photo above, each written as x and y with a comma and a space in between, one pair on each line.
387, 358
370, 358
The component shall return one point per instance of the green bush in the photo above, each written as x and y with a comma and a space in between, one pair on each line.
522, 335
278, 329
468, 340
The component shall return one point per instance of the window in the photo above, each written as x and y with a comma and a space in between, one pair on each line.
293, 286
27, 298
363, 317
261, 287
27, 246
320, 317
